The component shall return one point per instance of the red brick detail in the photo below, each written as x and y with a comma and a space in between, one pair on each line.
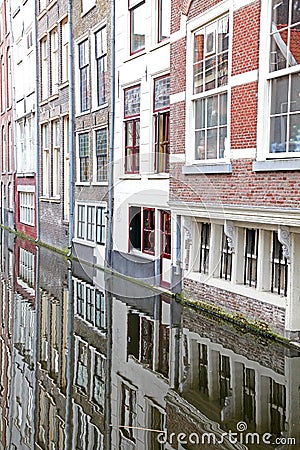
242, 187
178, 66
177, 125
245, 45
197, 7
243, 116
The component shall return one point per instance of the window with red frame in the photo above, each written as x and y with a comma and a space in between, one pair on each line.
148, 230
132, 129
137, 25
161, 110
166, 234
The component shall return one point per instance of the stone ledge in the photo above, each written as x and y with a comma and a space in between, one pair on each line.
276, 165
200, 169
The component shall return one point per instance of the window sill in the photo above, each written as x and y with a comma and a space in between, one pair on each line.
159, 176
142, 255
135, 55
63, 84
84, 242
84, 13
160, 44
82, 183
131, 177
50, 199
276, 165
199, 169
99, 183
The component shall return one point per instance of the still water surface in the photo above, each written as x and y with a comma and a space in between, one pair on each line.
90, 361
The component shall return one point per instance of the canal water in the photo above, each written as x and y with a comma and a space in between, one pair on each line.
92, 361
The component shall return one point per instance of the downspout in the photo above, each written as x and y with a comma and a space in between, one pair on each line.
36, 132
71, 129
111, 138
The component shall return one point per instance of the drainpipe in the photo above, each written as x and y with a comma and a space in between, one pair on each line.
36, 132
70, 362
111, 138
71, 129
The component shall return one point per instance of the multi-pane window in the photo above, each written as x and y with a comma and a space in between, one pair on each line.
128, 411
26, 207
132, 129
26, 267
226, 259
250, 257
249, 396
164, 19
83, 150
101, 154
148, 230
284, 79
100, 225
56, 157
65, 51
90, 304
142, 229
162, 123
98, 392
44, 68
279, 267
91, 223
54, 61
83, 53
137, 10
204, 247
210, 73
101, 65
46, 160
277, 407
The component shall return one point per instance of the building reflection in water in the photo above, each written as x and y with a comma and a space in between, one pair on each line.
92, 361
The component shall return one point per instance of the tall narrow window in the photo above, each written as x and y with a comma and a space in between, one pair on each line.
101, 65
204, 247
44, 74
128, 412
101, 155
65, 51
46, 160
84, 157
132, 129
56, 157
81, 222
164, 19
250, 259
137, 11
162, 123
100, 225
54, 62
90, 224
279, 268
226, 259
3, 90
135, 228
148, 230
166, 234
83, 50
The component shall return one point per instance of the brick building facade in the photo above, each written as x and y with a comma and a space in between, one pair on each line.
53, 124
91, 66
234, 187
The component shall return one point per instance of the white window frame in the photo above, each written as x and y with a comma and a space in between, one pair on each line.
54, 63
65, 50
97, 56
26, 207
88, 232
56, 158
87, 5
264, 90
44, 68
45, 160
211, 16
95, 175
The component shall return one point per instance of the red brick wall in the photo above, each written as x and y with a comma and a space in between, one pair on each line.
245, 44
26, 229
243, 116
242, 187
